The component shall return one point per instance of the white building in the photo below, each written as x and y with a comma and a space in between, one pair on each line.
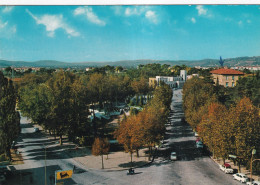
173, 82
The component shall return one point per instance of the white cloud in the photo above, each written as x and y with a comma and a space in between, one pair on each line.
193, 20
90, 15
6, 30
3, 24
117, 9
142, 11
151, 16
8, 9
52, 23
201, 10
134, 11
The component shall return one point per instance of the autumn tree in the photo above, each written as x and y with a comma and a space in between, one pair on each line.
100, 147
9, 117
197, 96
130, 135
215, 130
245, 122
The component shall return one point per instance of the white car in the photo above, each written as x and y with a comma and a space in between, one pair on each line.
173, 156
36, 129
199, 144
253, 183
196, 134
240, 177
226, 168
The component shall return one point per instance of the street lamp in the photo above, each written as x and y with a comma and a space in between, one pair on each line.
45, 168
251, 169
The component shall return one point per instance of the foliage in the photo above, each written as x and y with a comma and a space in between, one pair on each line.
9, 117
58, 104
148, 126
101, 147
197, 96
249, 87
130, 134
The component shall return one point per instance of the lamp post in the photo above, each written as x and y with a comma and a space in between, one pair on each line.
45, 162
251, 166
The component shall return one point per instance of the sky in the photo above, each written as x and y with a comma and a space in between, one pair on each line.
114, 33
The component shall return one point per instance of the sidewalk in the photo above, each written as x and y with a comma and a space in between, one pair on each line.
119, 160
243, 169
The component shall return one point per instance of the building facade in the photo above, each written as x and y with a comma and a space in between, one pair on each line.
226, 77
173, 82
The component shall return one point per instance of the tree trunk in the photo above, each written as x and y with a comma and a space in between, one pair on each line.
61, 140
8, 154
54, 133
102, 162
94, 122
149, 153
137, 152
131, 153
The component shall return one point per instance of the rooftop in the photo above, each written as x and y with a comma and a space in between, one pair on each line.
224, 71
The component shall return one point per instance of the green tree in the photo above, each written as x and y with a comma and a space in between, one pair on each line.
9, 117
197, 96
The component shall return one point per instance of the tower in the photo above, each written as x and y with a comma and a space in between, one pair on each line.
183, 74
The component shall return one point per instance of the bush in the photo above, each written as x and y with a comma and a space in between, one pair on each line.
3, 157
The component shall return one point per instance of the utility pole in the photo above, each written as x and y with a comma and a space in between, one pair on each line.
45, 168
251, 164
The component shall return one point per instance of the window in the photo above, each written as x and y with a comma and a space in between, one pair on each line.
226, 77
233, 78
233, 84
226, 84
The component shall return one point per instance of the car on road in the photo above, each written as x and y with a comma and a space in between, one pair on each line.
253, 183
240, 177
226, 168
199, 144
36, 129
173, 156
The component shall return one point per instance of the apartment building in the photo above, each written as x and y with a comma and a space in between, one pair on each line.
226, 77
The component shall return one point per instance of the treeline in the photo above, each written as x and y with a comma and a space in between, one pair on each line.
147, 128
9, 117
63, 101
226, 119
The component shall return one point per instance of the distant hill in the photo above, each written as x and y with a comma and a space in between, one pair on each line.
239, 61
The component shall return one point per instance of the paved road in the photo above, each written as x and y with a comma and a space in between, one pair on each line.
192, 167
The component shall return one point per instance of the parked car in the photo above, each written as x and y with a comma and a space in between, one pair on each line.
199, 144
173, 156
36, 129
226, 168
240, 177
253, 183
196, 134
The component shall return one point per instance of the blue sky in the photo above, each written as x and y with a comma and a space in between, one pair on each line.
113, 33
